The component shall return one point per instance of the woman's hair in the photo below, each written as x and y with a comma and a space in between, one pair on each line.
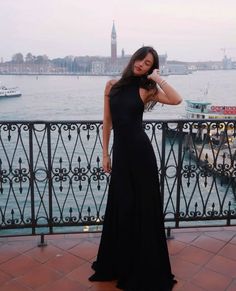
145, 83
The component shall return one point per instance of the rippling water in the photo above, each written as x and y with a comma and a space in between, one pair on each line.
80, 98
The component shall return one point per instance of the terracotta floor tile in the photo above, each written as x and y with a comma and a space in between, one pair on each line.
104, 286
208, 243
211, 229
65, 263
175, 246
186, 229
22, 238
187, 237
54, 237
43, 254
86, 250
211, 281
79, 236
221, 235
7, 252
222, 265
183, 269
64, 284
18, 265
81, 274
14, 286
94, 234
233, 240
229, 251
4, 277
233, 228
23, 246
179, 285
195, 255
66, 243
95, 240
39, 276
191, 287
232, 286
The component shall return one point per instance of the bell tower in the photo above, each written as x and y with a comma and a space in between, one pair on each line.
113, 43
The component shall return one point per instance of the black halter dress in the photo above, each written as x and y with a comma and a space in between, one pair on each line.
133, 248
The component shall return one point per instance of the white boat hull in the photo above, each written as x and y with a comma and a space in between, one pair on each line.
9, 92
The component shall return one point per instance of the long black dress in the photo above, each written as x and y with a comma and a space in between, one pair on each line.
133, 247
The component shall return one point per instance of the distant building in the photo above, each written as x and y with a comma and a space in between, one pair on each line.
116, 64
227, 63
175, 69
98, 67
95, 65
113, 44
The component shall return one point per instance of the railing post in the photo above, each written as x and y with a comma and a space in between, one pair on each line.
42, 242
163, 166
49, 176
168, 233
32, 177
178, 172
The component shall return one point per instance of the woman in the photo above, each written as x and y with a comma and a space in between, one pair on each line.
133, 247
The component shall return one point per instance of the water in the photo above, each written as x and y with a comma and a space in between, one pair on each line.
81, 98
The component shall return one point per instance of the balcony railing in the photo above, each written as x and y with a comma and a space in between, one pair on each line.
51, 176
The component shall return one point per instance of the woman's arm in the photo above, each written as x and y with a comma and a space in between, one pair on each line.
165, 94
107, 126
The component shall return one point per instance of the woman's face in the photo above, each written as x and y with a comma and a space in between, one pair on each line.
141, 67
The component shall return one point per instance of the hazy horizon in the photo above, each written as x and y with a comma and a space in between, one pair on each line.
185, 30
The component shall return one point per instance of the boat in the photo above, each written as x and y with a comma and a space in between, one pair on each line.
205, 110
9, 92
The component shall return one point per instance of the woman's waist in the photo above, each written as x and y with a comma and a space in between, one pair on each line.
124, 125
128, 131
129, 135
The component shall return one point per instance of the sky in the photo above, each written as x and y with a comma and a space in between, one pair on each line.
187, 30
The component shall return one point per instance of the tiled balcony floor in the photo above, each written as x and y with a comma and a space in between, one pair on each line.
202, 259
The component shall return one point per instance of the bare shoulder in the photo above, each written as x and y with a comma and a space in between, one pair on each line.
109, 85
111, 82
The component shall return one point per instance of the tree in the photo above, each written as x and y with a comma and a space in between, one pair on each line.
29, 58
41, 59
18, 58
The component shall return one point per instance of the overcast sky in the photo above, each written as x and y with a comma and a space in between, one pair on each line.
184, 29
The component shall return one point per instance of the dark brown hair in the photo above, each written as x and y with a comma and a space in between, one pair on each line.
145, 83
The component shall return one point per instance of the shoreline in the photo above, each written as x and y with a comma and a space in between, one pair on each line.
95, 75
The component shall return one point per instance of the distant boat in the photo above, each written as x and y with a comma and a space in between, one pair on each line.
205, 110
9, 92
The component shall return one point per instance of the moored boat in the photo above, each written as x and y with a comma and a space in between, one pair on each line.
9, 92
205, 110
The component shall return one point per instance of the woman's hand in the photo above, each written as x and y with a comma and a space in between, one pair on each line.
155, 76
106, 164
165, 94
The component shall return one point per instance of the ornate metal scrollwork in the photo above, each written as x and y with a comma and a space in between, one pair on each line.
51, 172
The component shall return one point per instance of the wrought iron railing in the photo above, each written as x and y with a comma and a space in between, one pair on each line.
51, 176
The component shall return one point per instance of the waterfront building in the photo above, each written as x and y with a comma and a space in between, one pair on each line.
98, 67
176, 69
